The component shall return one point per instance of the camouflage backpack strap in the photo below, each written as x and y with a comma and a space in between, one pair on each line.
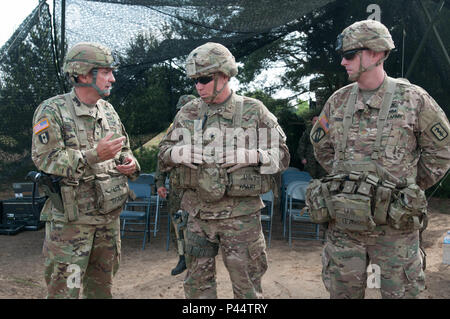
349, 110
383, 114
237, 118
80, 128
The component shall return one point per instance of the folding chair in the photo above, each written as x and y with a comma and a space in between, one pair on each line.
131, 218
155, 200
297, 212
267, 213
287, 177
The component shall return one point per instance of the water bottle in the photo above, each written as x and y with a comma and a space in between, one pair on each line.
446, 253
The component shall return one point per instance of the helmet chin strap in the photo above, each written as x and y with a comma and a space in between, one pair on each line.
211, 99
362, 69
93, 84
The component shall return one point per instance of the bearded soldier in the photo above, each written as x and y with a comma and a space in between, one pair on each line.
225, 149
384, 141
79, 140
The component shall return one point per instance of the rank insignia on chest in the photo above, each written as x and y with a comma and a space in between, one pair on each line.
41, 125
439, 131
43, 137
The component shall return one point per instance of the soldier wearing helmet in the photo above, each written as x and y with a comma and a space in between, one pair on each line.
383, 141
79, 140
223, 150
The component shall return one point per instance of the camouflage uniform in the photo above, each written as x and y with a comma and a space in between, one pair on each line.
231, 223
82, 241
414, 149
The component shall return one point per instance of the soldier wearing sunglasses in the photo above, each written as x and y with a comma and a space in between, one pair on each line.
383, 142
222, 190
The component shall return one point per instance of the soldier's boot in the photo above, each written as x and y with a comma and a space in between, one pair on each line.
180, 267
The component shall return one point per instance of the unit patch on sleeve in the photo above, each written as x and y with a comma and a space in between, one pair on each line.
439, 131
41, 125
318, 134
43, 137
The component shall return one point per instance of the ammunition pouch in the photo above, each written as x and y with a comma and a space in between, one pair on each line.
358, 203
212, 182
198, 246
112, 191
70, 203
408, 208
184, 177
248, 181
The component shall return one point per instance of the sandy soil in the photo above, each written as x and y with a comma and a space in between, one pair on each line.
294, 272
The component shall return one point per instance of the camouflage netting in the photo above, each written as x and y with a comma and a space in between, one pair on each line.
153, 37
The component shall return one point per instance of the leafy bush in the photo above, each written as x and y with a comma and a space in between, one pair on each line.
147, 158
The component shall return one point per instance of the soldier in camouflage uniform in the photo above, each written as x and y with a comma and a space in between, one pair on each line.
79, 137
174, 200
305, 151
384, 141
222, 177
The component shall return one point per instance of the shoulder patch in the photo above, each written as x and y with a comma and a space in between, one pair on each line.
439, 132
41, 125
318, 134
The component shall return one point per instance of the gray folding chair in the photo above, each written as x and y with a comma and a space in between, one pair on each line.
300, 225
267, 213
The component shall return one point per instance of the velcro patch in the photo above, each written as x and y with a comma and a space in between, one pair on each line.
439, 131
42, 125
318, 134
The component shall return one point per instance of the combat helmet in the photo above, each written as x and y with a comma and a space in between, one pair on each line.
85, 57
369, 34
210, 58
184, 99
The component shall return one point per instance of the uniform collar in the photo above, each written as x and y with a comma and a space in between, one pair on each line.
83, 109
224, 109
376, 99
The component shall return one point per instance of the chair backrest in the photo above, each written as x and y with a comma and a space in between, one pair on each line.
267, 196
141, 190
297, 190
145, 179
289, 176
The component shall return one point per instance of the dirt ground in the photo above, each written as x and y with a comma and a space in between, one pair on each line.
294, 272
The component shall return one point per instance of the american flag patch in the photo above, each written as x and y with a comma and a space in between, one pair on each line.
42, 125
323, 121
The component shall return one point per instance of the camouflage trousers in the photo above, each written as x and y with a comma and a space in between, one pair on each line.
394, 257
173, 203
81, 257
243, 249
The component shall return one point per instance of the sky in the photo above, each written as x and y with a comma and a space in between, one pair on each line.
12, 13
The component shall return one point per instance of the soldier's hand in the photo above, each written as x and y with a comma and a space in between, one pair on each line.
240, 158
107, 148
128, 167
162, 192
304, 161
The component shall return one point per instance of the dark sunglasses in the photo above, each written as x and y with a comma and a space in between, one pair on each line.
350, 54
203, 79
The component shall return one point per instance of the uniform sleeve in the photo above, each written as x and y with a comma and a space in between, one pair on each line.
160, 178
165, 162
49, 151
434, 143
275, 153
321, 141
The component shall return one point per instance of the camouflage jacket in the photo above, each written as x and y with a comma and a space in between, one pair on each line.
58, 151
254, 116
414, 144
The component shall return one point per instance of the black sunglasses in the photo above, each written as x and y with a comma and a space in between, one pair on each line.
203, 79
350, 54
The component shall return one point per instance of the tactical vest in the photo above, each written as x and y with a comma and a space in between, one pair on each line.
363, 194
102, 188
211, 182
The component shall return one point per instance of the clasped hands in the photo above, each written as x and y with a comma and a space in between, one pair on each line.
233, 159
